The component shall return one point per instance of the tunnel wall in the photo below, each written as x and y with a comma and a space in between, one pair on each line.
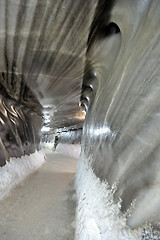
19, 129
120, 142
70, 150
70, 136
20, 125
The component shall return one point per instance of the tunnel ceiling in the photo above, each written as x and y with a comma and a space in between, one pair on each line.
42, 45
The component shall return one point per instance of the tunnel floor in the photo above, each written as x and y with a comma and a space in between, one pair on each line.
43, 206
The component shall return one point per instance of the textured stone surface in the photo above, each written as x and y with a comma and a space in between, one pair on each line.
42, 46
121, 93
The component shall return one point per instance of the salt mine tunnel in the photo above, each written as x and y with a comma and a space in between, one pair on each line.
80, 76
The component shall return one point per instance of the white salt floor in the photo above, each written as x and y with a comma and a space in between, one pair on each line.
43, 206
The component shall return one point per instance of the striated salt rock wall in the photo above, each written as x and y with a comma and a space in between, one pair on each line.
121, 93
98, 217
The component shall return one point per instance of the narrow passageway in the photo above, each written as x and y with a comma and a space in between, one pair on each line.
43, 206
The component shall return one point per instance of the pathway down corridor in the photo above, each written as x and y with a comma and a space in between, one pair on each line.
43, 206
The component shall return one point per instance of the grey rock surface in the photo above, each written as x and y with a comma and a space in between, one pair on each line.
121, 93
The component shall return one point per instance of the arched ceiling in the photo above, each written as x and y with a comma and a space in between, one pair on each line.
42, 45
